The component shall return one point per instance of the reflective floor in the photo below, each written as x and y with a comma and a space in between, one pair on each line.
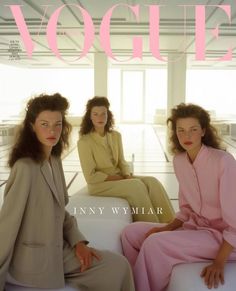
147, 143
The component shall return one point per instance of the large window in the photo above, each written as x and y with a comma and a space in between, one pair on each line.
214, 90
132, 98
17, 85
135, 95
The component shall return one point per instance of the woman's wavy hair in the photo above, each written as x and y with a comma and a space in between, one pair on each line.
86, 124
27, 144
210, 138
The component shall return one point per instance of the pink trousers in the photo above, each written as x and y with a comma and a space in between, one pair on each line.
152, 259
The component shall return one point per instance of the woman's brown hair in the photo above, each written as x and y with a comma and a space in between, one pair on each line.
86, 124
210, 138
27, 144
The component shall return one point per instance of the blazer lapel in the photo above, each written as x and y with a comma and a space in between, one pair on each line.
96, 138
48, 176
112, 146
57, 174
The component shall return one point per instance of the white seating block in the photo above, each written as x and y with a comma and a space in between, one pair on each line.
186, 277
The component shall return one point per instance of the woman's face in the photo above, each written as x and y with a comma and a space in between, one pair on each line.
189, 133
48, 128
98, 116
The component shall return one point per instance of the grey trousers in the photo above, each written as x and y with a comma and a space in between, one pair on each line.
112, 272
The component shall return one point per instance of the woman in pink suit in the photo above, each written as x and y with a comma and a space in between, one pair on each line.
205, 227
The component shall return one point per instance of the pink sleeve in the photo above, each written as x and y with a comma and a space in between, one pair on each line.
184, 208
227, 188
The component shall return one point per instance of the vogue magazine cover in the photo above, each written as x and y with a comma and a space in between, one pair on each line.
117, 145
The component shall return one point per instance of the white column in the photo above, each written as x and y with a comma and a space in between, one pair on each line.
176, 80
100, 74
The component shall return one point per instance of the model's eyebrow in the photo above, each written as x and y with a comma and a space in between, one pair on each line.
49, 121
180, 127
191, 126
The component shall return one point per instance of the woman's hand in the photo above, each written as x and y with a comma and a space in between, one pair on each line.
128, 177
213, 274
114, 178
155, 230
85, 255
175, 224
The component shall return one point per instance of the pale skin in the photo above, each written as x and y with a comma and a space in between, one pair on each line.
48, 127
190, 133
99, 117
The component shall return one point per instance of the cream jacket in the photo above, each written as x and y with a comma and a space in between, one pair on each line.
96, 162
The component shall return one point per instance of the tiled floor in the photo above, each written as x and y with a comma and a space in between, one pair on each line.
146, 142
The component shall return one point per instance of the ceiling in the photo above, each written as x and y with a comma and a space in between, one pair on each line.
124, 27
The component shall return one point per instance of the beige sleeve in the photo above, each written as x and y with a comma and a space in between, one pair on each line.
123, 165
15, 199
71, 232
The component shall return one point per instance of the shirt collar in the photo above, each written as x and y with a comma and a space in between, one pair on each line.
201, 156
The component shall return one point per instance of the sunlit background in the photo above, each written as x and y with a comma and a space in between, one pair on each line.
144, 90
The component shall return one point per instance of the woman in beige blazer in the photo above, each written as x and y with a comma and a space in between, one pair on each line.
108, 174
40, 243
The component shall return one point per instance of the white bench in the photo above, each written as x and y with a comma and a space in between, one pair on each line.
83, 206
100, 219
186, 277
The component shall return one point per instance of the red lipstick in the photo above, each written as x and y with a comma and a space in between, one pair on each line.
188, 143
51, 137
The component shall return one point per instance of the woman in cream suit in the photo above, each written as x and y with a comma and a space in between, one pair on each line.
40, 244
108, 174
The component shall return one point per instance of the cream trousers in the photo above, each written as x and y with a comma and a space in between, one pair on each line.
146, 196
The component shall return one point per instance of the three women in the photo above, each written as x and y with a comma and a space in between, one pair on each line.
42, 245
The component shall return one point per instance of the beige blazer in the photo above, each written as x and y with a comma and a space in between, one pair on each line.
34, 225
96, 162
